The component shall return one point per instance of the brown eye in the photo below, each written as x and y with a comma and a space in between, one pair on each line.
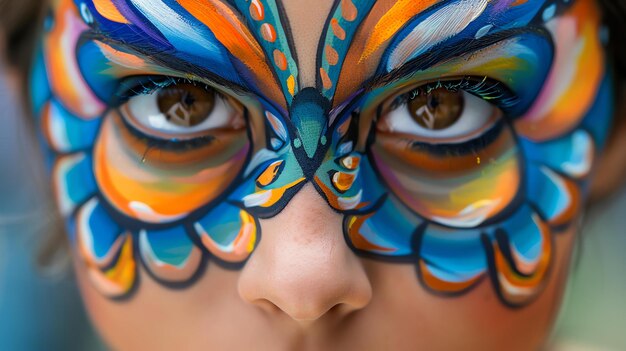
186, 105
438, 116
437, 109
183, 111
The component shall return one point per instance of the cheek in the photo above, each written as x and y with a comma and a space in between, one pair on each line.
459, 190
155, 185
202, 316
476, 320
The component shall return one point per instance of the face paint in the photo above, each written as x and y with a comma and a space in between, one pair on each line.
457, 136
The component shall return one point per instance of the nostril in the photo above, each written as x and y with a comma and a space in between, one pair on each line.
303, 304
300, 314
302, 267
306, 313
267, 306
341, 310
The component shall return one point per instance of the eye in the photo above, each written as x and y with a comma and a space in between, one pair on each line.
182, 111
447, 151
170, 148
439, 116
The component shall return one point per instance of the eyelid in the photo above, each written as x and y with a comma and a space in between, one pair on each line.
166, 63
144, 85
486, 88
167, 144
135, 86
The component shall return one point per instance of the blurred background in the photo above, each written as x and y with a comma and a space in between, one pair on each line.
40, 307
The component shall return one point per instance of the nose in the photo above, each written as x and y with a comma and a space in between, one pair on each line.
303, 266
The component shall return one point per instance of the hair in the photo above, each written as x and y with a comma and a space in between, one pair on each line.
615, 19
16, 21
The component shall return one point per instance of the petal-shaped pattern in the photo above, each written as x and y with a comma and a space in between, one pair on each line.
228, 232
525, 234
522, 255
106, 251
557, 198
98, 236
169, 254
599, 118
66, 80
271, 197
483, 232
575, 77
73, 181
451, 260
65, 132
572, 154
375, 233
348, 181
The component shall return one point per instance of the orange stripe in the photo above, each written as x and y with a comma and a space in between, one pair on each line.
326, 82
226, 27
358, 240
528, 285
270, 174
65, 77
168, 189
444, 286
573, 102
392, 21
236, 37
108, 10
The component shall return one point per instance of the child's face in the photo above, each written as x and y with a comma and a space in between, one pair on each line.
249, 174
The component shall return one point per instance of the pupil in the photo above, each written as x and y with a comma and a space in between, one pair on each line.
433, 102
438, 109
186, 105
188, 99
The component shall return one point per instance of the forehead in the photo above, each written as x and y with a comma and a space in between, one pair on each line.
276, 48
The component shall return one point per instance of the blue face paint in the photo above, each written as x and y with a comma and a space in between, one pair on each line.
439, 130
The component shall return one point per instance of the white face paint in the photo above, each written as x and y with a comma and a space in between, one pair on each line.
447, 22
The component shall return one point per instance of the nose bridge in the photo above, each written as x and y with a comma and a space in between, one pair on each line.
308, 114
303, 265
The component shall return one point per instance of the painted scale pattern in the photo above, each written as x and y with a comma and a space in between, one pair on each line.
458, 216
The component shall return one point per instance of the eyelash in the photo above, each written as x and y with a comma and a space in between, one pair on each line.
485, 88
465, 148
169, 144
135, 86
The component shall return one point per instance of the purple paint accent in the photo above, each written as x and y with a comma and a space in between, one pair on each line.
143, 24
335, 112
501, 5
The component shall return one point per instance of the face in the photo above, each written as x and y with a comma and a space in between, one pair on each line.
349, 175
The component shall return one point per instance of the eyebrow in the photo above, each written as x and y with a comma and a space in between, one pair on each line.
216, 39
163, 59
442, 52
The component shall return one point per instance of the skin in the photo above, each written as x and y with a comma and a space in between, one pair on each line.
312, 291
